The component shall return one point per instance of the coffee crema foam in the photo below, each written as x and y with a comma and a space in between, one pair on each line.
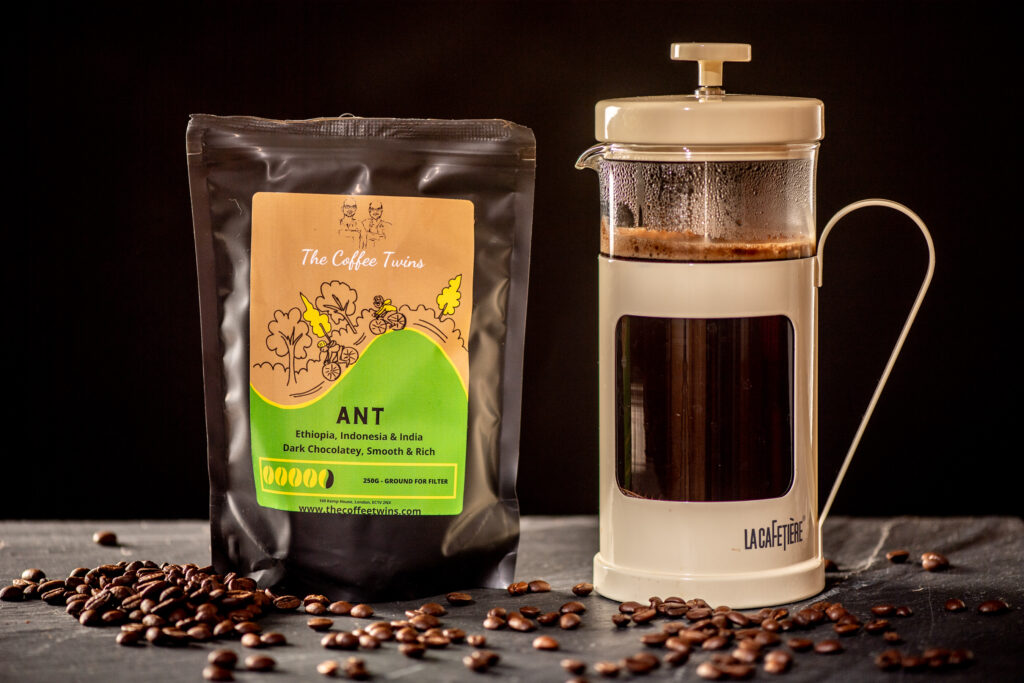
686, 245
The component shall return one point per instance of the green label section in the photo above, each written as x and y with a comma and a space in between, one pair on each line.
388, 439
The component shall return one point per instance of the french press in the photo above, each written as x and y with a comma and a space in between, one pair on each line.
708, 277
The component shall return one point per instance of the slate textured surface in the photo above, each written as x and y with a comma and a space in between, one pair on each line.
41, 643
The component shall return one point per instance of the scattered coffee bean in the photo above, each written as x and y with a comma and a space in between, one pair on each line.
777, 662
630, 607
889, 660
903, 611
328, 667
434, 609
715, 643
831, 566
620, 620
517, 622
355, 668
413, 650
607, 669
892, 637
315, 608
459, 599
33, 574
286, 603
877, 626
518, 588
251, 640
494, 623
105, 538
643, 616
476, 640
212, 672
11, 593
583, 589
273, 639
955, 605
480, 660
641, 663
455, 635
319, 623
570, 621
897, 556
259, 663
545, 643
530, 612
361, 611
538, 586
883, 610
340, 608
960, 657
225, 659
997, 606
709, 671
934, 562
574, 666
132, 637
828, 647
573, 607
846, 629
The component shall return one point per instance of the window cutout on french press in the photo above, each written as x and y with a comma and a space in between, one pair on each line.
704, 408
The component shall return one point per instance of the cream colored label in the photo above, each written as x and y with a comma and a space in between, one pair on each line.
331, 273
359, 360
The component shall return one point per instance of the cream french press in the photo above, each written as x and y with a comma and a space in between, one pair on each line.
708, 278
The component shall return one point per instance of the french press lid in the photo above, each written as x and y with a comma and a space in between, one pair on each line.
710, 116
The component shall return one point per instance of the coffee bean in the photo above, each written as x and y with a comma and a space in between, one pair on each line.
459, 598
570, 621
251, 640
421, 622
903, 611
105, 538
715, 643
607, 669
518, 588
368, 642
913, 662
654, 639
777, 662
434, 609
955, 605
897, 556
675, 658
846, 629
934, 562
361, 611
413, 650
216, 673
884, 610
583, 589
259, 663
518, 622
889, 660
877, 626
644, 615
831, 566
499, 612
709, 671
960, 657
328, 667
574, 666
641, 663
287, 603
493, 623
538, 586
828, 647
315, 608
455, 635
630, 607
133, 637
245, 627
620, 620
480, 660
892, 637
12, 593
545, 643
319, 623
530, 612
355, 669
997, 606
476, 640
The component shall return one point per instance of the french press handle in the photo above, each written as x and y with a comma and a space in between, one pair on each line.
903, 334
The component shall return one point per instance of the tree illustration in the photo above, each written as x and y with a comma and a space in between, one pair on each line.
289, 338
448, 299
339, 300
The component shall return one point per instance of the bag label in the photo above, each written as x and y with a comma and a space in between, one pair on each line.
359, 361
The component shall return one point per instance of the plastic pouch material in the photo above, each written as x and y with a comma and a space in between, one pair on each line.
362, 287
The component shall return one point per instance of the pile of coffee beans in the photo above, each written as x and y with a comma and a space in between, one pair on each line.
171, 605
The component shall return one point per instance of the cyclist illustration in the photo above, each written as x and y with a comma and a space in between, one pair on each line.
386, 317
333, 355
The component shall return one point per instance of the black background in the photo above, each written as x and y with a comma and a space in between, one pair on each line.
105, 403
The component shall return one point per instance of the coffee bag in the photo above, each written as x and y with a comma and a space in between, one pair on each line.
362, 289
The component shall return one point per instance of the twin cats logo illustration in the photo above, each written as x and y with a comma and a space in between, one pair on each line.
368, 231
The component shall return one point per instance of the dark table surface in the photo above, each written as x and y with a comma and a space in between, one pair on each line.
39, 642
